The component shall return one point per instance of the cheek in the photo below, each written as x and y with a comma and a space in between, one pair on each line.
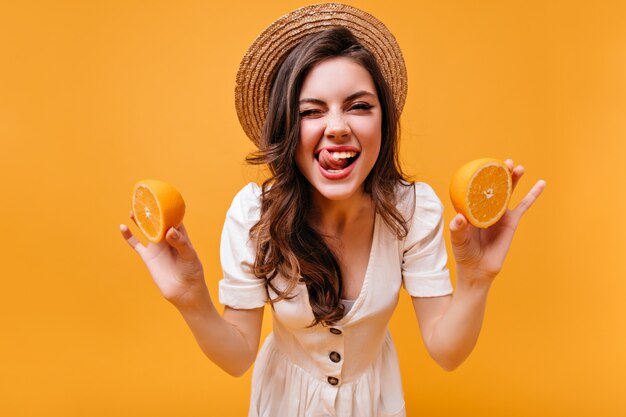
309, 131
370, 135
307, 140
375, 154
304, 155
378, 137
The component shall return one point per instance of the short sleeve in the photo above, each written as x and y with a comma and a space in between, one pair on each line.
424, 270
239, 288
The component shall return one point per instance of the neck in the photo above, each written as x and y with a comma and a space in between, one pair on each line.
335, 215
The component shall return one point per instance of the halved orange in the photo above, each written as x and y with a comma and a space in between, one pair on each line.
481, 190
157, 206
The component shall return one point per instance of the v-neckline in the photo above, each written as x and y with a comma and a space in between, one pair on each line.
359, 299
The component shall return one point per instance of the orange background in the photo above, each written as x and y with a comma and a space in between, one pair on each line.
97, 95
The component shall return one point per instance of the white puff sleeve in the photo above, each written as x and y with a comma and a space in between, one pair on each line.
240, 288
424, 270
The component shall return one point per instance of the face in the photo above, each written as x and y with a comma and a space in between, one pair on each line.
340, 128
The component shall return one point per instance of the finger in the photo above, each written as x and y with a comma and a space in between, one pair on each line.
132, 217
181, 228
459, 232
131, 240
530, 198
180, 242
516, 174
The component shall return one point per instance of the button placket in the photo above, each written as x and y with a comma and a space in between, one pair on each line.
334, 359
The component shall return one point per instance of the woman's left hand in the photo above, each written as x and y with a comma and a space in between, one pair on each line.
480, 253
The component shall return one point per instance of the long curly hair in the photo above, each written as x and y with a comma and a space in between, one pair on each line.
286, 244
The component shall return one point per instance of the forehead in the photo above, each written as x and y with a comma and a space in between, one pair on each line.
335, 77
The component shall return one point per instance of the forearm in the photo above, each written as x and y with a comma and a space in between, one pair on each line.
454, 335
220, 341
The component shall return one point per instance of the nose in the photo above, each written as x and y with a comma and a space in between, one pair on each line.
337, 127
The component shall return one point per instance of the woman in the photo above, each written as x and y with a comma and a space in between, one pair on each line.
333, 233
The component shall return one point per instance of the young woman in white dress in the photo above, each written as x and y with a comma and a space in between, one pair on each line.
332, 236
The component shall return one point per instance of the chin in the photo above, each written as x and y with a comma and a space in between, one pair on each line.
338, 192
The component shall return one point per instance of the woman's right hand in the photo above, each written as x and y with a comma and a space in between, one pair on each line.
173, 264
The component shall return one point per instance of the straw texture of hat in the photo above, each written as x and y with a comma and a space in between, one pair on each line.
270, 48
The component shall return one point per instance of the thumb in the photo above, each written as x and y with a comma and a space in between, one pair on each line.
459, 232
180, 242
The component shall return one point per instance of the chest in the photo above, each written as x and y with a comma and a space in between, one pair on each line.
353, 251
375, 288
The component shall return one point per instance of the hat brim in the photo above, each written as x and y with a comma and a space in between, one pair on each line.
270, 48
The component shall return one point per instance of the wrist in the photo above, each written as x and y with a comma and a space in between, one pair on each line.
469, 279
194, 297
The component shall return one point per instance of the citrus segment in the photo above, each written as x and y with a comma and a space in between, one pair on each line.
157, 206
481, 190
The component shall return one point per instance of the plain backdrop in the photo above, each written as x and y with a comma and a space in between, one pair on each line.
96, 95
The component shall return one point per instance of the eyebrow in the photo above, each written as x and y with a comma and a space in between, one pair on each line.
351, 97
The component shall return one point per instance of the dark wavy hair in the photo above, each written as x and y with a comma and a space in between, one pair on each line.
286, 244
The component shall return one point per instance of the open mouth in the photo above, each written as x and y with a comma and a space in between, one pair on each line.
336, 161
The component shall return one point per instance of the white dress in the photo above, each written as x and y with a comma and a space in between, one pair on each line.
351, 368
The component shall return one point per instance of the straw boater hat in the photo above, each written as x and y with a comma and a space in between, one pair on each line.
270, 48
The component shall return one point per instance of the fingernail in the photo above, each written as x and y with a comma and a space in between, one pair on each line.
174, 234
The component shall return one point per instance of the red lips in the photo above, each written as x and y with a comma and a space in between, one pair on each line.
338, 166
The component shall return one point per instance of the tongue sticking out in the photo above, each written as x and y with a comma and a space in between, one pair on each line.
328, 162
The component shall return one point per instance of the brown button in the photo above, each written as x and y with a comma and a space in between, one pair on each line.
332, 380
335, 357
335, 331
